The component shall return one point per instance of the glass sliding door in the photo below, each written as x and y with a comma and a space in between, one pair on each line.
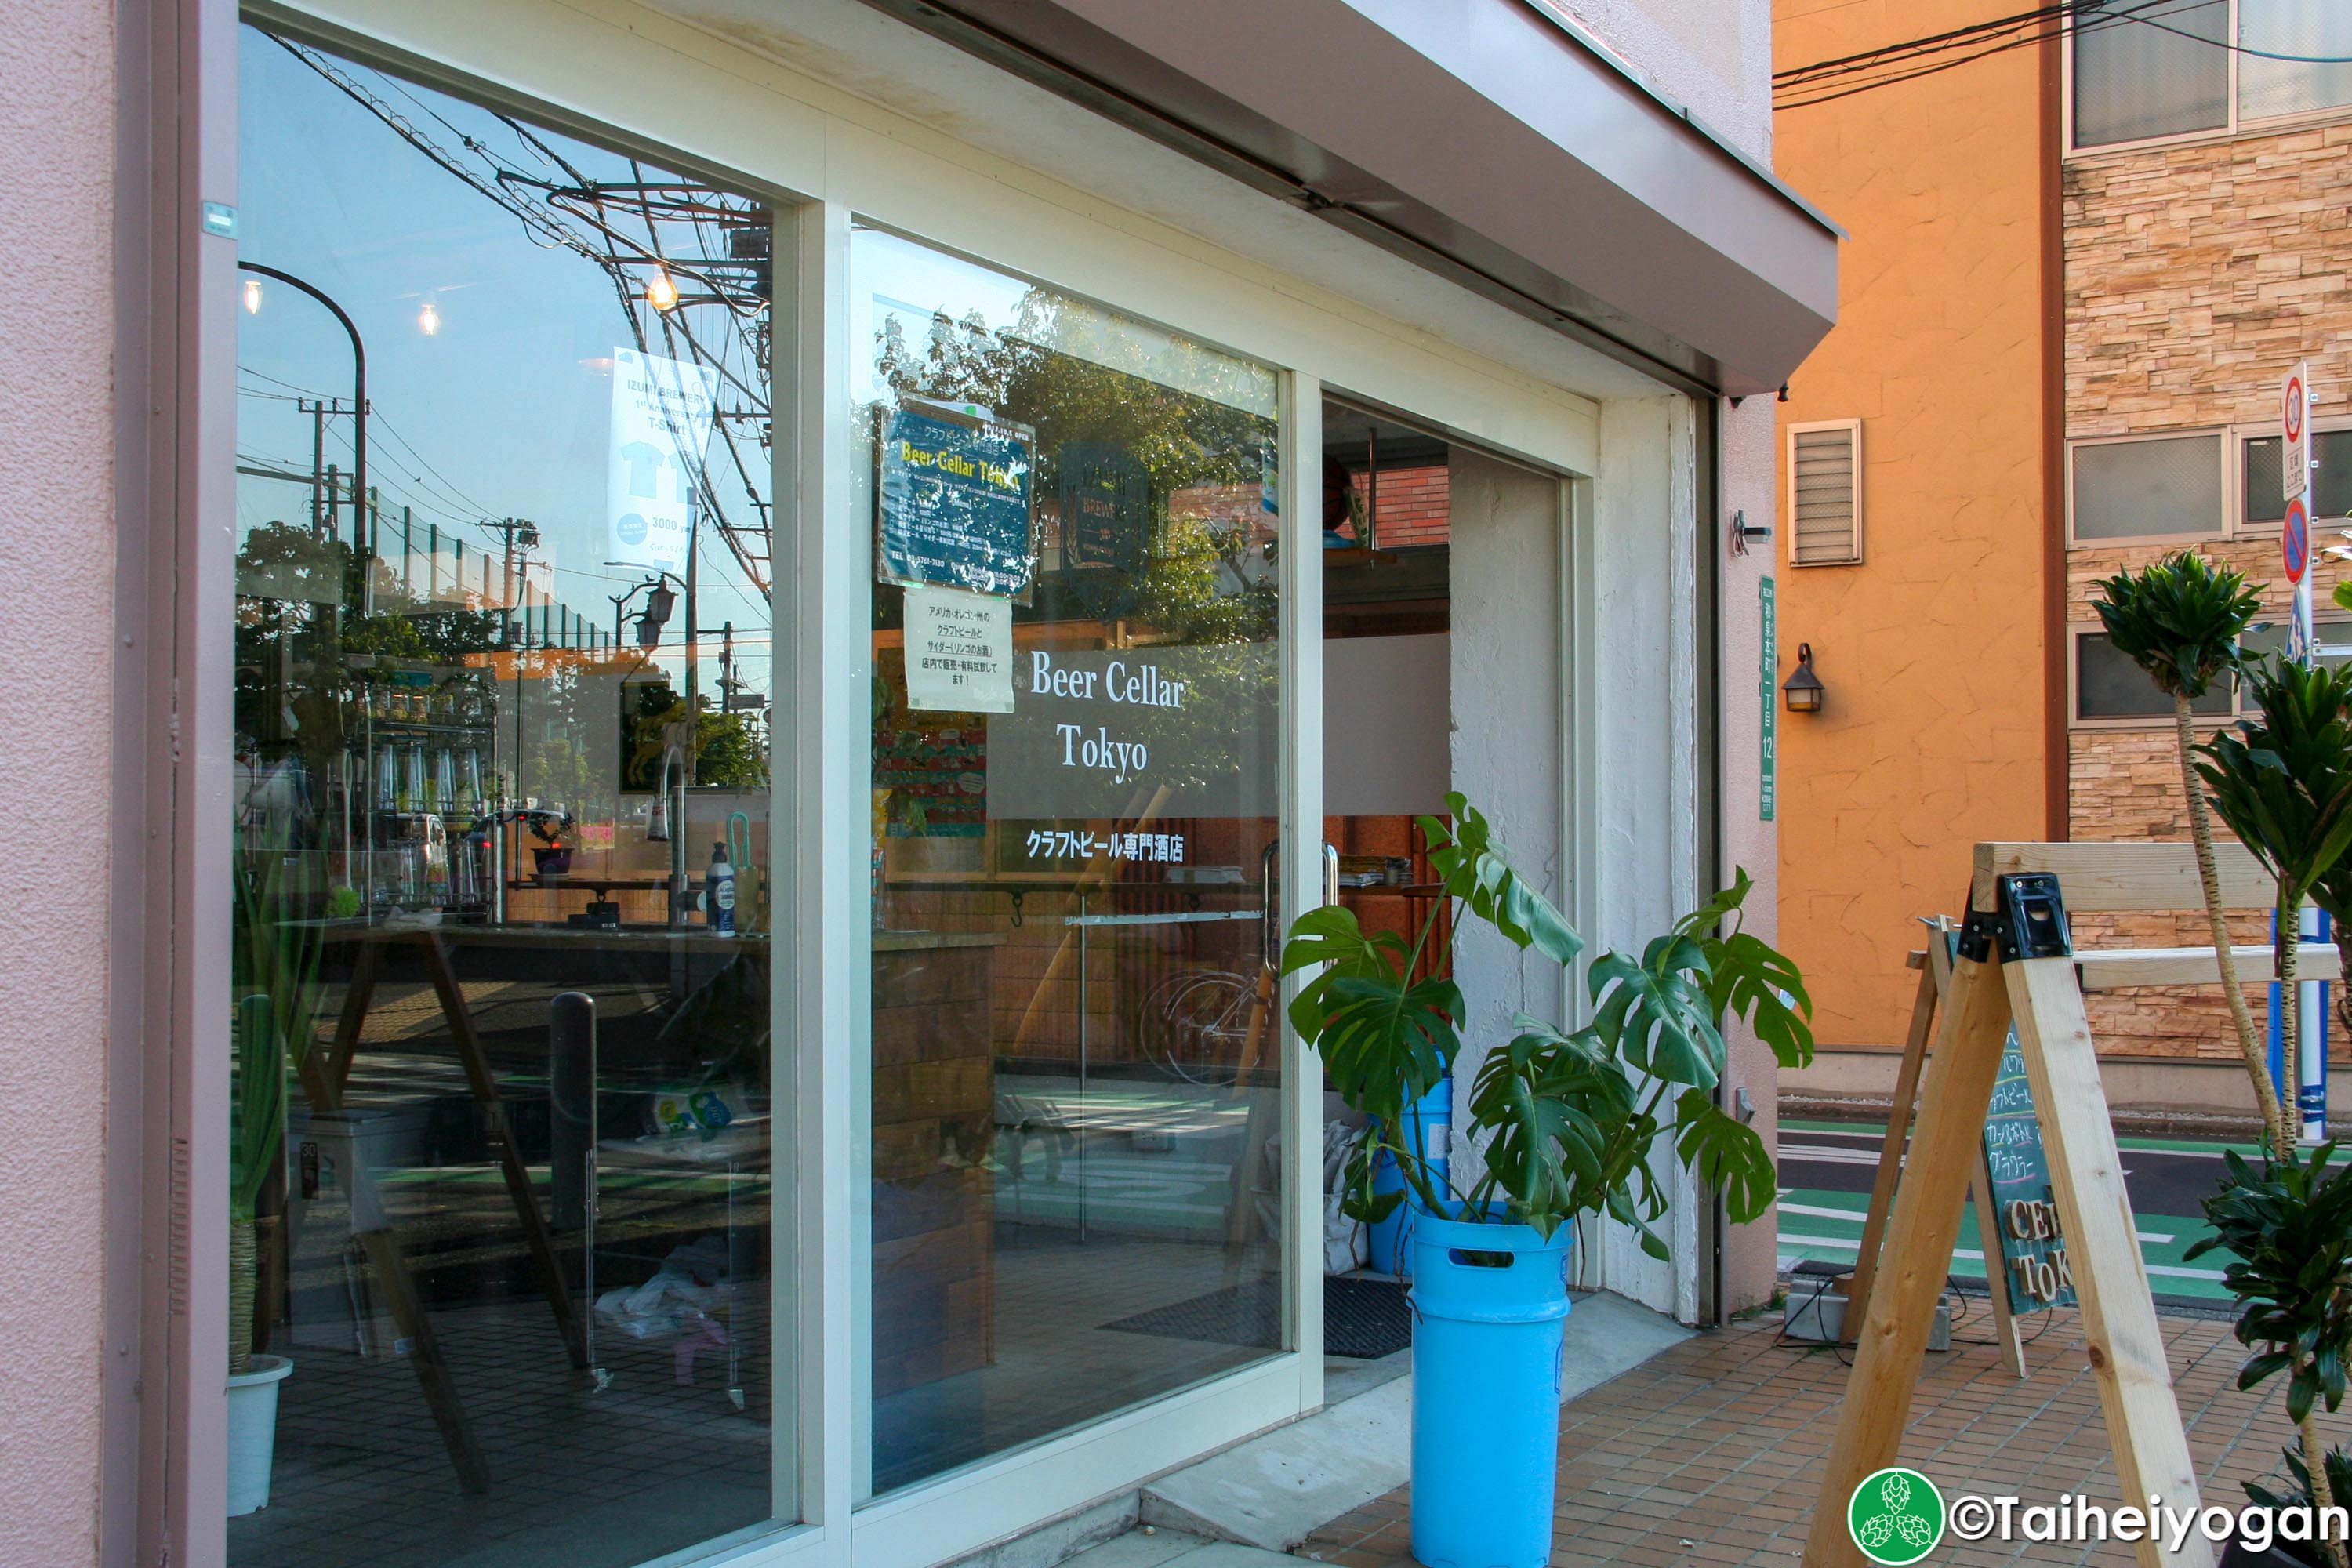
510, 1142
1075, 1073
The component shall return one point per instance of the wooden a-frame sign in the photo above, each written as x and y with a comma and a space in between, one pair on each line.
1934, 966
2014, 967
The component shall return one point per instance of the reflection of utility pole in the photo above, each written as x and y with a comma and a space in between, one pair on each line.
317, 408
521, 533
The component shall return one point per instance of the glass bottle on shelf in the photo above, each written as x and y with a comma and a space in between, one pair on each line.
387, 787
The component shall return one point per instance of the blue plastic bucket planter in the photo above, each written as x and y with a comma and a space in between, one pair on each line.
1490, 1303
1388, 1243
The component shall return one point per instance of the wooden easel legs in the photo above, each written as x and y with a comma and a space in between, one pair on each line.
1935, 978
2126, 1343
1890, 1152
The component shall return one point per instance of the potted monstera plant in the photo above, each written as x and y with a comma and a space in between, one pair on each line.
1567, 1121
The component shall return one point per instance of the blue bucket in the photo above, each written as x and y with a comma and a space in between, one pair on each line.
1490, 1304
1388, 1243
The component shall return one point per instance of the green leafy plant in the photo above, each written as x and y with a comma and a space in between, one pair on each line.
2290, 1226
2283, 786
1569, 1117
2180, 620
274, 960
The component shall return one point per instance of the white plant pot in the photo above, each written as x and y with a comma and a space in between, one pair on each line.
253, 1433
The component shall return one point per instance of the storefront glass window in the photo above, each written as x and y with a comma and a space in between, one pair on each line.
1076, 1074
509, 1118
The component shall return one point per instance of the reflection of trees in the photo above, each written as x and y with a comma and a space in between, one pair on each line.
727, 751
296, 693
1204, 580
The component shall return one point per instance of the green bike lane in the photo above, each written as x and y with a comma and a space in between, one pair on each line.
1827, 1167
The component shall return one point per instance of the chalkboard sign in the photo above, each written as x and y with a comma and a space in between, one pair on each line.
2031, 1253
954, 500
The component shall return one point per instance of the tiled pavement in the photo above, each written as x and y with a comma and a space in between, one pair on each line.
1710, 1455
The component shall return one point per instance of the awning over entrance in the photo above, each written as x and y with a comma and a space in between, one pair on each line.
1485, 139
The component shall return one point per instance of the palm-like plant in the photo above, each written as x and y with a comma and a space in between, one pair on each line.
2283, 786
2290, 1226
2181, 621
275, 962
1569, 1117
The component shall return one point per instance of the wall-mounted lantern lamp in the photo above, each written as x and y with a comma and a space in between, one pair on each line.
1803, 689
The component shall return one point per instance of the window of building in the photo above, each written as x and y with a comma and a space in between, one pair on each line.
1073, 1206
1825, 493
2159, 72
2331, 632
2143, 71
2110, 686
2307, 31
2261, 505
2147, 488
2111, 691
510, 1222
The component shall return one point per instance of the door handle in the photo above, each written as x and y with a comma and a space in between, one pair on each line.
1330, 874
1269, 946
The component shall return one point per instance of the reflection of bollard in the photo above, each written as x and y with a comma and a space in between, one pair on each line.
570, 1106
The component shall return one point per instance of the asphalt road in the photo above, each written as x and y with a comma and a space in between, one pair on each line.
1826, 1170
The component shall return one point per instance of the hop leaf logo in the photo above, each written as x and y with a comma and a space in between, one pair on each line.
1895, 1516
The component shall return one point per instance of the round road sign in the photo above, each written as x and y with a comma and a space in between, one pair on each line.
2294, 539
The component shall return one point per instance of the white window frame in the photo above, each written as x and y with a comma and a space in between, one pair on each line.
2223, 525
822, 156
2231, 129
1789, 434
2238, 435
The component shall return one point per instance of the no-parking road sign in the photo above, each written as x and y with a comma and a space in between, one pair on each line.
2294, 423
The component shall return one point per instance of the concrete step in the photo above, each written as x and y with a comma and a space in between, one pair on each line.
1276, 1490
1164, 1547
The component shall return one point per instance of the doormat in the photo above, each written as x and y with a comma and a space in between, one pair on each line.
1362, 1319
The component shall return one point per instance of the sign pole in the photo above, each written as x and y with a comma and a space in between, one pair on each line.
2295, 482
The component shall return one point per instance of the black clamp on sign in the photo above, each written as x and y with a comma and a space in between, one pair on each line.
2028, 920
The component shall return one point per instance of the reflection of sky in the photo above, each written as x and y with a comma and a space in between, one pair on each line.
912, 283
505, 411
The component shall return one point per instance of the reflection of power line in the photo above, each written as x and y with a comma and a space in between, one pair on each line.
556, 216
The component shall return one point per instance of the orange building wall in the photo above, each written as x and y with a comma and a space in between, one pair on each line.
1932, 733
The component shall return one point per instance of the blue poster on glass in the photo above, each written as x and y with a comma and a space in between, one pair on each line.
955, 501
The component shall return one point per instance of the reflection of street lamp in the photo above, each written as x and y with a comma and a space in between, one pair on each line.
361, 532
660, 602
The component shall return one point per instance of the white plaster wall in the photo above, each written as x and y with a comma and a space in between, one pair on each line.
57, 589
1506, 742
1715, 57
1750, 1253
1637, 740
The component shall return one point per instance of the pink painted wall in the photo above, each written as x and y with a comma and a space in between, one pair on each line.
57, 603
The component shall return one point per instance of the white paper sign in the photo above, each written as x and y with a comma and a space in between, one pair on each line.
661, 423
959, 650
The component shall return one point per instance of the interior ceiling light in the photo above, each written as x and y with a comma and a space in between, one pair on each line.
428, 319
660, 293
253, 296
